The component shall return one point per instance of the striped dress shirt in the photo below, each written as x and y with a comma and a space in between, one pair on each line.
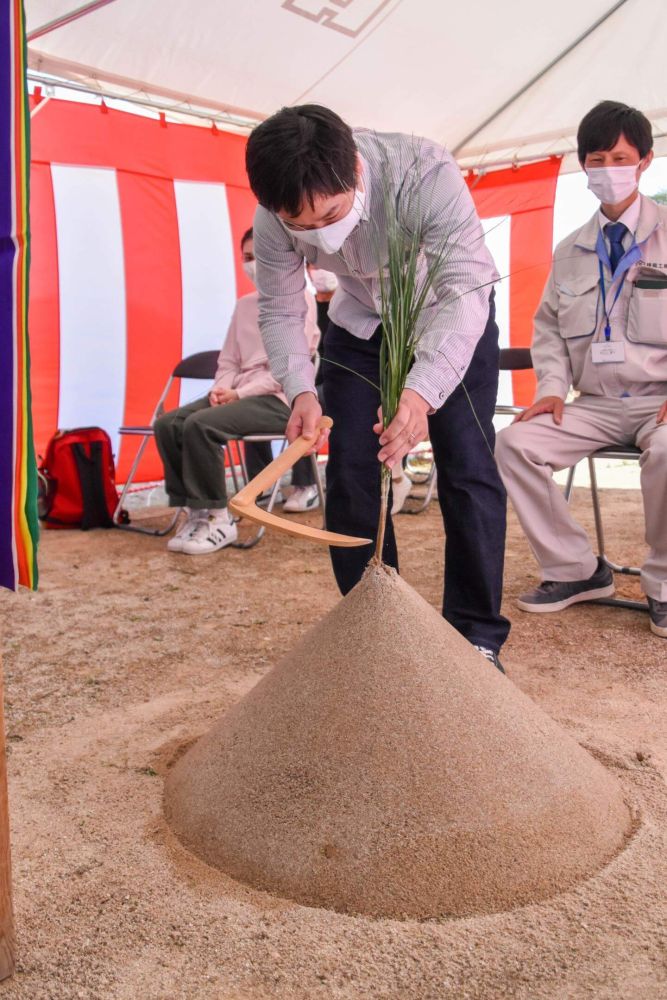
425, 181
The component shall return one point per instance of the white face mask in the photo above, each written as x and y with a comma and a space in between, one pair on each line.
250, 270
331, 238
324, 281
612, 185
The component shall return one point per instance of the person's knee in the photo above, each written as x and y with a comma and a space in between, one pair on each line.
655, 454
200, 432
197, 422
510, 445
163, 426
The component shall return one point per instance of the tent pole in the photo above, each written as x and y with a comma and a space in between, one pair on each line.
74, 15
7, 939
215, 115
515, 97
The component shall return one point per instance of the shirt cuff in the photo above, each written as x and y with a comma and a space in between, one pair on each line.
294, 385
434, 390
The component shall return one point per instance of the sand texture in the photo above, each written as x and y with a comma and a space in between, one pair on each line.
128, 654
384, 767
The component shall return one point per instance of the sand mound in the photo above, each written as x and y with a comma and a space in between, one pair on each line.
384, 767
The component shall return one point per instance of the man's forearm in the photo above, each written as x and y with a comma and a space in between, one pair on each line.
288, 353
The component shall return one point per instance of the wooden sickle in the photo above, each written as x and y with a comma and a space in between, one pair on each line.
243, 503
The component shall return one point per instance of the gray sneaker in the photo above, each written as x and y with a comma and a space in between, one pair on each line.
658, 614
554, 595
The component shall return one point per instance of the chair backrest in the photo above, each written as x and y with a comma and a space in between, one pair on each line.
514, 359
201, 365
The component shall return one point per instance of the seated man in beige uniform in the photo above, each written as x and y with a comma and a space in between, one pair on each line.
601, 328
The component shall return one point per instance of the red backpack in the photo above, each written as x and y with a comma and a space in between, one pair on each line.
77, 479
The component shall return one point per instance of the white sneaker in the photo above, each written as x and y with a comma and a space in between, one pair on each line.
302, 498
214, 533
176, 542
263, 499
400, 489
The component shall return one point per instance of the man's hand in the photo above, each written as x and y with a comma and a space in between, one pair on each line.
408, 427
662, 414
219, 397
548, 404
306, 412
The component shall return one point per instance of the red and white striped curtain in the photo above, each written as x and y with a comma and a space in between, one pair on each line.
135, 261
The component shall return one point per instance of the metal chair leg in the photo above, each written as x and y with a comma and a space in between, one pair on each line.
259, 534
156, 532
227, 452
432, 482
597, 513
320, 487
250, 543
599, 531
128, 481
243, 464
567, 492
431, 487
615, 602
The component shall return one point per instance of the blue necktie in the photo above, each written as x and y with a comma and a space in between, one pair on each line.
615, 231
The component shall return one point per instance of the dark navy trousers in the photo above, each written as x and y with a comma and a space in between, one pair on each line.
472, 497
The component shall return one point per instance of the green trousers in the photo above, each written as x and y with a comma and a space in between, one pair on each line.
189, 440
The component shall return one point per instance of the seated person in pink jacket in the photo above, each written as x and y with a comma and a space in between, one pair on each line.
244, 399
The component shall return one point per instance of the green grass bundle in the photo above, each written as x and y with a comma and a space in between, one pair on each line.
407, 276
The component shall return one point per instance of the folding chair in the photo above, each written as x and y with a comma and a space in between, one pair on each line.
518, 358
201, 366
513, 359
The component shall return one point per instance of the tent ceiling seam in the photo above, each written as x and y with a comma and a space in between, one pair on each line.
546, 69
347, 55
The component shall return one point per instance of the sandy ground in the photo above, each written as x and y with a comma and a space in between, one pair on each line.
128, 653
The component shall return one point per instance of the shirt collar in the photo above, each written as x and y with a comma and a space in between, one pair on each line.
649, 220
630, 217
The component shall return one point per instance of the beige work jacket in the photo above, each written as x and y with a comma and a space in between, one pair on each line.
570, 316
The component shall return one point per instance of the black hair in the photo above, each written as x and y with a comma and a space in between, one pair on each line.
603, 126
299, 153
246, 236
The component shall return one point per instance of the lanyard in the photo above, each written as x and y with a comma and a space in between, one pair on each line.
607, 314
630, 257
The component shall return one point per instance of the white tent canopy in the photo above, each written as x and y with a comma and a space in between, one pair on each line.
494, 82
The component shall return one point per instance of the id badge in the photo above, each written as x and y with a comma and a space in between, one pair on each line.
607, 350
